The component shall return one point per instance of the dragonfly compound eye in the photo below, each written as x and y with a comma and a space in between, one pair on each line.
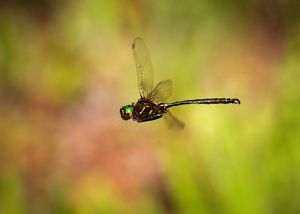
126, 112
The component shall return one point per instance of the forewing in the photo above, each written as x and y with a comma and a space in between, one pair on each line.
143, 67
161, 92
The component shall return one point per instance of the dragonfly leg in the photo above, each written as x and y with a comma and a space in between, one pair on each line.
149, 118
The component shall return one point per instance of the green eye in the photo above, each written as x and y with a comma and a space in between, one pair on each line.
128, 109
126, 112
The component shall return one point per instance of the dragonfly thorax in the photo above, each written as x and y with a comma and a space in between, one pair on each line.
146, 109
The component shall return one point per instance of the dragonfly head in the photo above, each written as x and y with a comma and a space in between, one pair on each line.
126, 112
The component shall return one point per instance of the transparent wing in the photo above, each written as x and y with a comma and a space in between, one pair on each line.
143, 67
173, 122
161, 92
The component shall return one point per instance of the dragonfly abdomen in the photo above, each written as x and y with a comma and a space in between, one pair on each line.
203, 101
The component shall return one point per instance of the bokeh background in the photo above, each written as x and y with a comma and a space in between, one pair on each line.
66, 67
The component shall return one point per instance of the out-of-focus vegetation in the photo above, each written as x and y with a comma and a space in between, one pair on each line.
66, 68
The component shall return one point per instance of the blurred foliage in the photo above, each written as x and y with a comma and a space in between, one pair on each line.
66, 68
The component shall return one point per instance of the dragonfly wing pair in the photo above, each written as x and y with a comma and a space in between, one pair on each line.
162, 91
143, 67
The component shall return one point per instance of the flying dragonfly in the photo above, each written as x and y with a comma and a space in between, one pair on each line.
151, 104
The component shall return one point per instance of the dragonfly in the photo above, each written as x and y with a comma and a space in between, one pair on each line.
151, 105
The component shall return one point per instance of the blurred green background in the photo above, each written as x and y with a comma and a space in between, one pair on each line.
66, 67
